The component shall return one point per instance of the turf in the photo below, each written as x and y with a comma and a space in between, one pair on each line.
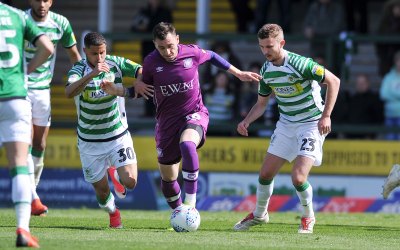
88, 229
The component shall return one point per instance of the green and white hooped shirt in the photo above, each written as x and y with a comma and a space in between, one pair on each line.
296, 87
59, 30
101, 117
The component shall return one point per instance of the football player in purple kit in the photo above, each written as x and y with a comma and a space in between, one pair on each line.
182, 119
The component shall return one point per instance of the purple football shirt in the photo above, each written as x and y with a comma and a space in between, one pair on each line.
177, 90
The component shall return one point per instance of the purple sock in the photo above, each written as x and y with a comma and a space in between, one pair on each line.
172, 193
190, 166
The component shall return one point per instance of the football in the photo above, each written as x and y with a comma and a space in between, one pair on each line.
185, 219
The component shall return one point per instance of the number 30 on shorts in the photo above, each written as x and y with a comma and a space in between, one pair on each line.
125, 153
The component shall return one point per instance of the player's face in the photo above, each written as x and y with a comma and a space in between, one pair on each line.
272, 49
96, 54
168, 48
40, 9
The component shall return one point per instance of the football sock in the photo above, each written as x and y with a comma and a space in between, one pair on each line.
190, 199
264, 192
31, 168
21, 195
172, 193
305, 194
108, 204
37, 157
190, 169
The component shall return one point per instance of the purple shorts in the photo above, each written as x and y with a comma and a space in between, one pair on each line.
167, 139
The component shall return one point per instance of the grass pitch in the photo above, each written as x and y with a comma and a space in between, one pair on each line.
88, 229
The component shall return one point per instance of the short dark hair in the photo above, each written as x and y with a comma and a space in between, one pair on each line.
270, 30
161, 30
94, 39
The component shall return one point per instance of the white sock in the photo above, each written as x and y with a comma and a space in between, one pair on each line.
23, 213
109, 206
306, 201
264, 193
38, 163
21, 196
31, 168
190, 199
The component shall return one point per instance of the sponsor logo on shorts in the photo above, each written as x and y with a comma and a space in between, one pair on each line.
160, 152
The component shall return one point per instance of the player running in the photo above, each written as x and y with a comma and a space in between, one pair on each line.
15, 115
182, 119
103, 136
58, 28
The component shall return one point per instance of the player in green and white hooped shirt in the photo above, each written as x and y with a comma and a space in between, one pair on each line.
103, 136
15, 116
58, 28
304, 122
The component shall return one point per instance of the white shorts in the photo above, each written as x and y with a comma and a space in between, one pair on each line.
96, 157
292, 139
15, 121
40, 106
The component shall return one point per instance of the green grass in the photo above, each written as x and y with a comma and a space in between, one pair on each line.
88, 229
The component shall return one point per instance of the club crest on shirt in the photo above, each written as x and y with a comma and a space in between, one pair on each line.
187, 63
159, 69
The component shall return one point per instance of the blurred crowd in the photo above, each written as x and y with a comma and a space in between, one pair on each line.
327, 25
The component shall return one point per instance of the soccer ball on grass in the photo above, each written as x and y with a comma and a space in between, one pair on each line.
185, 219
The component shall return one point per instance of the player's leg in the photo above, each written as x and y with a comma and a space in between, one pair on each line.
41, 120
300, 171
270, 168
191, 137
21, 196
94, 169
392, 181
309, 145
15, 135
39, 139
169, 184
37, 208
280, 150
169, 157
107, 202
123, 173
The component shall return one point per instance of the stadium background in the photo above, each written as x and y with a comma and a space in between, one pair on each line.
349, 180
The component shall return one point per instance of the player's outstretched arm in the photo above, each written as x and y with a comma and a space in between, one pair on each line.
255, 112
44, 49
245, 76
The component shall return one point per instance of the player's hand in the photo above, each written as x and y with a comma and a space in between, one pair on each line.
144, 89
242, 128
100, 67
248, 76
324, 125
109, 87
